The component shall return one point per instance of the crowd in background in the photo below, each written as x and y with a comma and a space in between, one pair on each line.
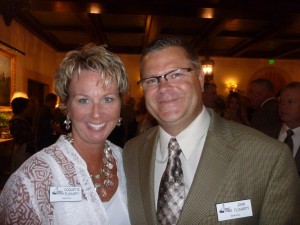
258, 109
262, 109
34, 127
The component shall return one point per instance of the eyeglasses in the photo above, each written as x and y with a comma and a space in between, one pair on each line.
171, 77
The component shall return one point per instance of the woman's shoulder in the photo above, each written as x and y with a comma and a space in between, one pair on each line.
42, 160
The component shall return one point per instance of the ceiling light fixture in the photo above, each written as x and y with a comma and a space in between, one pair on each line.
208, 68
95, 8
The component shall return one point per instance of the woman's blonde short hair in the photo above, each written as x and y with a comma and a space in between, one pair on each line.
93, 58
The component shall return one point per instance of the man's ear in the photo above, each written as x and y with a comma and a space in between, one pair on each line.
201, 79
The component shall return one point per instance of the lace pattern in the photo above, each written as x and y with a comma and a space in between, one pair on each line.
25, 197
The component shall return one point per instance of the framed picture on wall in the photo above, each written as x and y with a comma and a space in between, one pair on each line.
7, 78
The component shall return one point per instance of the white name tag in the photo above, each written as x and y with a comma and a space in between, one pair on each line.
65, 194
234, 210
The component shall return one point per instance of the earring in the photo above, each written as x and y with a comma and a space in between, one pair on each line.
119, 122
67, 122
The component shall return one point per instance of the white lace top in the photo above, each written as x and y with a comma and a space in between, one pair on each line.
25, 198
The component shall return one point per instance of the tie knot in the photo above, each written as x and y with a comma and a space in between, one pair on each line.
290, 132
173, 147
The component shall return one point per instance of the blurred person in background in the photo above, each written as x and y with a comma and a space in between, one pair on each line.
289, 111
210, 95
234, 109
143, 118
46, 127
265, 117
128, 114
21, 132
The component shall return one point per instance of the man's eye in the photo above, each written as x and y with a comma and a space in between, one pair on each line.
175, 75
83, 101
151, 81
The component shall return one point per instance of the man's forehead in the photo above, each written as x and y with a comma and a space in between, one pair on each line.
257, 87
291, 92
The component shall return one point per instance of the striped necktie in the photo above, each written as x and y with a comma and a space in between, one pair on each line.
288, 140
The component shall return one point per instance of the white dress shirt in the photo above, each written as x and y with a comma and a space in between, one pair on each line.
191, 141
295, 137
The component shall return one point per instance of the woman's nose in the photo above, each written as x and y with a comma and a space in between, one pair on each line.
95, 111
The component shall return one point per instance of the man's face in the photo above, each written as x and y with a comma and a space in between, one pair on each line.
289, 107
173, 105
257, 95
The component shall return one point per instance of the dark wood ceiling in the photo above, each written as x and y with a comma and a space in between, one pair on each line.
225, 28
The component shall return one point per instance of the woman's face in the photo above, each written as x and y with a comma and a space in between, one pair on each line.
93, 109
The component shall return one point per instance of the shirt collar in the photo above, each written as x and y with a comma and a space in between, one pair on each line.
285, 128
189, 137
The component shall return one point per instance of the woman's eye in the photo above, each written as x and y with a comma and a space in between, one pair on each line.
108, 99
83, 101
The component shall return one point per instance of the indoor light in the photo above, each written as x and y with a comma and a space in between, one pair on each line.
19, 94
208, 68
232, 87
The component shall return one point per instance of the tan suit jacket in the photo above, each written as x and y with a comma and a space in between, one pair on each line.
237, 163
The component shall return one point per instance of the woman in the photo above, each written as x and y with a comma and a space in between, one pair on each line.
80, 178
234, 109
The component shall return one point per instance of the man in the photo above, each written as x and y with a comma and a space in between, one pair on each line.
128, 115
45, 133
225, 171
289, 111
265, 105
210, 95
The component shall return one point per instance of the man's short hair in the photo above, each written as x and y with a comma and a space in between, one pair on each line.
292, 85
265, 83
19, 104
170, 41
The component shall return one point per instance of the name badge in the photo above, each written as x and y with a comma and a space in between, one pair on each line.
234, 210
65, 194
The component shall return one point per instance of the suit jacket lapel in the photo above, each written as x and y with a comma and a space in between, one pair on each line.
146, 167
216, 156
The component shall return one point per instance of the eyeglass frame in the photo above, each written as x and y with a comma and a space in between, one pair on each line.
140, 82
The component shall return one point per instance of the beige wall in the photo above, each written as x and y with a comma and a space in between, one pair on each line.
132, 65
227, 70
40, 62
240, 71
